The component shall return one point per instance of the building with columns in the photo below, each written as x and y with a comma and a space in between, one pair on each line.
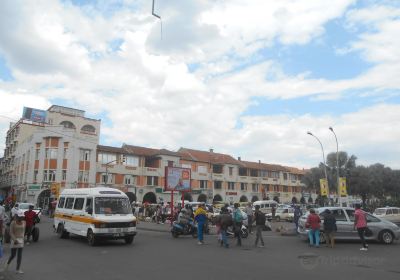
47, 151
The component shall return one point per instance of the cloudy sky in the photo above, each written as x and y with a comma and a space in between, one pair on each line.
245, 77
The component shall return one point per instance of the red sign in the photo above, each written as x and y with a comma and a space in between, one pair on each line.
231, 193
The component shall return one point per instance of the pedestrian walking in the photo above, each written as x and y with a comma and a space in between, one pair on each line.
314, 224
30, 217
237, 223
2, 218
259, 217
249, 213
360, 223
224, 219
273, 211
17, 233
296, 216
330, 228
200, 215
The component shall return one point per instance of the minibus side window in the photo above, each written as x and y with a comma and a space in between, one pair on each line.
89, 205
79, 203
61, 202
69, 203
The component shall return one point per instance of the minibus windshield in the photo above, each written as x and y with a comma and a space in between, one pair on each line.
112, 205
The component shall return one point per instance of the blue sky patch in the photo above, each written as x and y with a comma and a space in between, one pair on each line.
5, 72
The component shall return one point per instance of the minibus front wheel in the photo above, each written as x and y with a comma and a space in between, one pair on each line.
129, 239
91, 238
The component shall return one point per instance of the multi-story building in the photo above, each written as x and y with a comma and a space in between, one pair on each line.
58, 150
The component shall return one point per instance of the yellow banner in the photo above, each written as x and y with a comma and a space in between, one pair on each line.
324, 187
342, 186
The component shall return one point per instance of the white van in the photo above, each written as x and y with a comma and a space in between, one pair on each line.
391, 214
96, 213
265, 205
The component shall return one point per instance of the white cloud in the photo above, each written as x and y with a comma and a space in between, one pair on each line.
152, 99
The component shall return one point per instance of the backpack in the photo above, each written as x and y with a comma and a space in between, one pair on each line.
238, 216
260, 218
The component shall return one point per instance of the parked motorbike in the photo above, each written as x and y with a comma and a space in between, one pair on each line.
184, 229
244, 232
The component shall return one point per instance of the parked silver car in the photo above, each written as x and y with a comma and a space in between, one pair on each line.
381, 229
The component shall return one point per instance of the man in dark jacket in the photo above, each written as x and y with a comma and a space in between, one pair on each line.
329, 228
225, 220
259, 217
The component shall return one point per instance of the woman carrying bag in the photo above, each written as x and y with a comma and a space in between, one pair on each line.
17, 234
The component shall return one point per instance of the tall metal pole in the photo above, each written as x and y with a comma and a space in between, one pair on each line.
323, 155
337, 161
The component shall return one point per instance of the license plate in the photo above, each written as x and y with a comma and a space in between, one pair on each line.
116, 234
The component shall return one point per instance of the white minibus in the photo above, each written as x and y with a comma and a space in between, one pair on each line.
95, 213
265, 205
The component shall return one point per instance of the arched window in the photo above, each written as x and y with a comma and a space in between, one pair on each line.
88, 129
68, 124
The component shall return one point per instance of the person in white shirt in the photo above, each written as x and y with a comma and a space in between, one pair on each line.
14, 210
2, 217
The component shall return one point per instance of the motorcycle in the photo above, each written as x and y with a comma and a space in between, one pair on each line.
180, 229
244, 232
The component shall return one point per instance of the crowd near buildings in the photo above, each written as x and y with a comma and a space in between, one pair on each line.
47, 151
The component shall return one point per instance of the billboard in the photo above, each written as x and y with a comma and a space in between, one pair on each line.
177, 179
34, 115
343, 186
324, 187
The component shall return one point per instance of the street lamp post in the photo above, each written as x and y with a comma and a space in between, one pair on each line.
323, 154
337, 161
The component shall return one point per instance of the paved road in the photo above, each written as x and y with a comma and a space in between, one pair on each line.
156, 255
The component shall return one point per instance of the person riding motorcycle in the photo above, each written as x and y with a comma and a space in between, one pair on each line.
30, 220
183, 217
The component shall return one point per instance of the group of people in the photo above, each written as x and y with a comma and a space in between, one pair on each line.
330, 228
21, 224
226, 220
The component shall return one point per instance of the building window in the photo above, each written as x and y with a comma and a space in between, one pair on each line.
218, 169
129, 180
65, 153
152, 181
274, 174
49, 176
68, 124
202, 169
84, 155
51, 153
83, 176
284, 176
90, 129
64, 175
285, 189
231, 186
35, 175
107, 178
243, 186
203, 184
230, 171
263, 173
254, 187
105, 158
131, 161
242, 172
217, 185
37, 154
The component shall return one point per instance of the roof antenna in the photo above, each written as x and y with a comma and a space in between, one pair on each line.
157, 16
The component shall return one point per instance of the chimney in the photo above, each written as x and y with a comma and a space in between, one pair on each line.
239, 159
259, 161
211, 150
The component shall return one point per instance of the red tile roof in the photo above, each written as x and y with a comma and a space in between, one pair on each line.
207, 156
142, 151
263, 166
109, 149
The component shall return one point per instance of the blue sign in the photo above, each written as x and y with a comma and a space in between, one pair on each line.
34, 115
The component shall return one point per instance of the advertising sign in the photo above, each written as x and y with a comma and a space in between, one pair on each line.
34, 115
343, 186
324, 187
177, 179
